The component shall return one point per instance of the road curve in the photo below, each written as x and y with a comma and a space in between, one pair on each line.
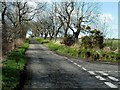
45, 69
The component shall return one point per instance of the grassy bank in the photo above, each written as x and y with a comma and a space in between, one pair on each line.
89, 54
13, 66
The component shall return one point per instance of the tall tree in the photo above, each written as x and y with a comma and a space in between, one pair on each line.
64, 13
86, 14
15, 17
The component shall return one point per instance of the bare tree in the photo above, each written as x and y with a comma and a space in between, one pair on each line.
86, 14
64, 12
15, 17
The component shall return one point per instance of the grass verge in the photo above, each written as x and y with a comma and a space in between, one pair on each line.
88, 54
13, 66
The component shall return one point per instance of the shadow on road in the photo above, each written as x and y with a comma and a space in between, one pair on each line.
37, 49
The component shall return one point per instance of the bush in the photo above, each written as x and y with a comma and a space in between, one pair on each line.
118, 57
68, 41
95, 56
98, 41
86, 42
82, 53
87, 54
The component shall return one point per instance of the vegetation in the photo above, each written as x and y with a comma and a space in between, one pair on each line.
94, 40
66, 20
56, 19
52, 20
15, 23
112, 43
84, 53
13, 67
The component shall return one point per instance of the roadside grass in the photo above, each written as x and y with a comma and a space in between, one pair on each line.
88, 54
58, 48
13, 66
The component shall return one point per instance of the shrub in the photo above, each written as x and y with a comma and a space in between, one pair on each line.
86, 42
97, 38
95, 56
82, 53
68, 41
118, 57
98, 41
87, 54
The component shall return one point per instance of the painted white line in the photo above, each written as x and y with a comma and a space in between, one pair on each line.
113, 78
108, 71
100, 78
104, 71
71, 61
65, 58
110, 85
116, 71
101, 72
79, 66
84, 68
75, 63
91, 72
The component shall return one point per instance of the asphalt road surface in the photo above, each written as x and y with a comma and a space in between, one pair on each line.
48, 70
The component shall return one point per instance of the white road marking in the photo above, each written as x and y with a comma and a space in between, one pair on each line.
91, 72
71, 61
110, 85
107, 71
65, 57
116, 71
84, 68
113, 78
79, 66
101, 72
100, 78
75, 63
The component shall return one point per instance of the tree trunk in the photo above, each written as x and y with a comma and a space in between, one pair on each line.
4, 33
45, 35
65, 34
76, 34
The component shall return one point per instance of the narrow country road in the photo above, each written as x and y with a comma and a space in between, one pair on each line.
49, 70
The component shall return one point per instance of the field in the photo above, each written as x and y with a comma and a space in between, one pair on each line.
112, 43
